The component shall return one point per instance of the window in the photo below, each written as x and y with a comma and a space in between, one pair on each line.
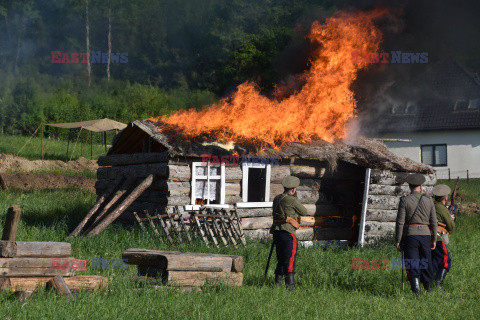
434, 154
411, 108
256, 182
473, 104
398, 109
208, 183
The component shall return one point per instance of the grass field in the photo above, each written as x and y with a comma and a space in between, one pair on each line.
327, 285
53, 149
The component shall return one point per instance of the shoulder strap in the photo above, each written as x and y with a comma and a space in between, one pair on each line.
415, 212
281, 207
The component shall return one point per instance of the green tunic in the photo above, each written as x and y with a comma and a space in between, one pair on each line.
443, 216
292, 208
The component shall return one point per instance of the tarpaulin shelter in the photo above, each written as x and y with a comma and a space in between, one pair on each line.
98, 125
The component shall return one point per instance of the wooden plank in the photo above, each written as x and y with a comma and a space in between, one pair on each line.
397, 178
379, 228
256, 223
59, 284
236, 261
97, 205
193, 278
134, 158
35, 271
395, 190
200, 229
101, 225
165, 260
381, 215
139, 171
150, 220
35, 249
383, 202
278, 173
11, 223
313, 197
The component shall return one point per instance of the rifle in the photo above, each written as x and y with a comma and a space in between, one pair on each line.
268, 261
453, 206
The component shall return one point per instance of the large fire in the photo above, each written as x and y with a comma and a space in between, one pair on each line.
319, 110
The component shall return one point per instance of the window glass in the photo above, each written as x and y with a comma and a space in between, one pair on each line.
441, 155
427, 155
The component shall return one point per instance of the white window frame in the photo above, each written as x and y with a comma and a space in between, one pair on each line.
208, 177
245, 168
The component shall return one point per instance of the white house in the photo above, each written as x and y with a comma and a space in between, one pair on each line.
439, 113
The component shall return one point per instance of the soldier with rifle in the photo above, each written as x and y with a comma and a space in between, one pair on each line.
286, 211
415, 233
440, 256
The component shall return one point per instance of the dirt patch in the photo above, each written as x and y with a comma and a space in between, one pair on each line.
12, 163
469, 209
30, 181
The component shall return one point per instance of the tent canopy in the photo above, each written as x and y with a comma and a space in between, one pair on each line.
99, 125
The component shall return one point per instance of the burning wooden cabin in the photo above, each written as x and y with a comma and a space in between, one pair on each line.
351, 191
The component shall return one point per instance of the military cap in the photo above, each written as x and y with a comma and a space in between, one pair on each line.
441, 190
415, 179
290, 182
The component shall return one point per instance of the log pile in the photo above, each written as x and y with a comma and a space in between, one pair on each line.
28, 266
384, 192
210, 225
187, 269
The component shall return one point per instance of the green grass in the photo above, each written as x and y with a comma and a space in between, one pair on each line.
53, 149
327, 286
467, 191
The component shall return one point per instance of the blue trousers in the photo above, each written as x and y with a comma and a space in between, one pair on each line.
286, 248
417, 248
441, 257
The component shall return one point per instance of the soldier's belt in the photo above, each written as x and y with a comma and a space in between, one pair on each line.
419, 225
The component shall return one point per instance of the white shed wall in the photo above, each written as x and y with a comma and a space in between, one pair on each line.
463, 150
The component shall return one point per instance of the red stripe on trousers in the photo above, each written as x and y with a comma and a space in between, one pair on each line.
294, 251
445, 255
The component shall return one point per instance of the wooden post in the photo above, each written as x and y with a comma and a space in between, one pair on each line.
3, 184
81, 144
122, 207
58, 283
105, 140
11, 223
41, 140
468, 177
448, 174
91, 145
68, 144
153, 225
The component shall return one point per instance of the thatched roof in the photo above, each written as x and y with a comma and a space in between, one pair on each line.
365, 152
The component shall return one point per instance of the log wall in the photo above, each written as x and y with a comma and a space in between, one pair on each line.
324, 193
386, 188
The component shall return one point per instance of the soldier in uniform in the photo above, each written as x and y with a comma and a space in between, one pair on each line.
415, 233
286, 211
440, 256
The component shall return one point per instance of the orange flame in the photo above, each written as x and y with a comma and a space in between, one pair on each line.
319, 110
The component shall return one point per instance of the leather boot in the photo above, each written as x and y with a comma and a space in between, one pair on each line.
415, 283
278, 279
290, 281
440, 277
428, 286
